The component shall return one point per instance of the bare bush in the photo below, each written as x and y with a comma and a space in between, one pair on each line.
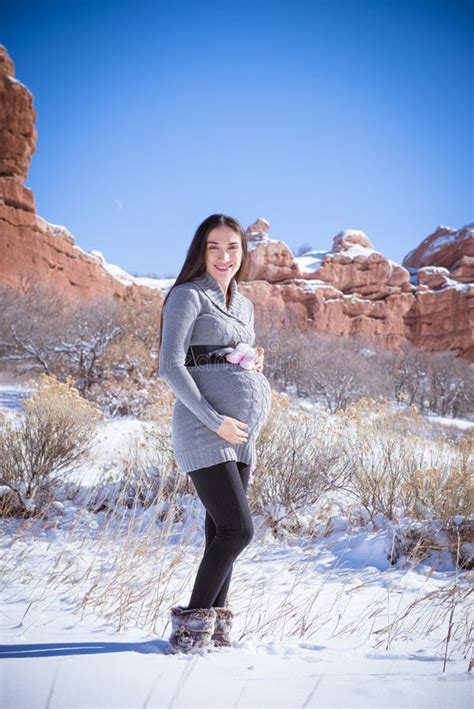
409, 374
41, 330
439, 382
337, 371
30, 327
298, 462
89, 329
334, 371
451, 385
108, 347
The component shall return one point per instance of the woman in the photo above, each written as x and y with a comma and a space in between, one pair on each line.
222, 402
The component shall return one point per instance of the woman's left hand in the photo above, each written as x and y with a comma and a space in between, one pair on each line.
259, 359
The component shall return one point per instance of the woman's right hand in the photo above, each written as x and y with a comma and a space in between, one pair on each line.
233, 431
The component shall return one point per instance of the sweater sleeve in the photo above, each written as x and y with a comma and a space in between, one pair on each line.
179, 315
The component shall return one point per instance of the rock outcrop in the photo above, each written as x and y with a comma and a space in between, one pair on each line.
17, 137
355, 290
450, 248
442, 268
350, 290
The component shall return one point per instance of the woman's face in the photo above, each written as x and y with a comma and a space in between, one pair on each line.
223, 253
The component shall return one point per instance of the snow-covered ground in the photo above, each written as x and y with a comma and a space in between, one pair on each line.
58, 652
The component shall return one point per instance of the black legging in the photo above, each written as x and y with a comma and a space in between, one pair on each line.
228, 525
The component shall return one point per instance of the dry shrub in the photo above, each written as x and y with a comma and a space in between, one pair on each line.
125, 390
447, 489
395, 470
426, 485
298, 461
379, 453
53, 433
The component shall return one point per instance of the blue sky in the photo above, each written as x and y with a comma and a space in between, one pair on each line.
319, 116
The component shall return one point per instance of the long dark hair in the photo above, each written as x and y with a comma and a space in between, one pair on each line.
195, 262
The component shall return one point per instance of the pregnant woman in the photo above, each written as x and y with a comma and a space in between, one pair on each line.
222, 401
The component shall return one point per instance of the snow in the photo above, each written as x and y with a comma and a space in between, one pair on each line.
263, 239
164, 283
125, 278
461, 424
310, 260
60, 230
57, 654
11, 396
312, 284
435, 269
450, 283
15, 81
357, 250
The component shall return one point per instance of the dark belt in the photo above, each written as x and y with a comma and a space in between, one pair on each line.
201, 354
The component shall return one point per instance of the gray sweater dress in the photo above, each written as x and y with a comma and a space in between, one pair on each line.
196, 314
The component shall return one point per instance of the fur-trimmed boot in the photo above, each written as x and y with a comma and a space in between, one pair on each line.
192, 629
221, 636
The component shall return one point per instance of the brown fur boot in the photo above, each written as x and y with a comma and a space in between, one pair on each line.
192, 629
221, 636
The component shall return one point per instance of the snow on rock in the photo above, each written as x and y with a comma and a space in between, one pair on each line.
311, 260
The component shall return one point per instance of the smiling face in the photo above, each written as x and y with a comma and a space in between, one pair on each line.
223, 254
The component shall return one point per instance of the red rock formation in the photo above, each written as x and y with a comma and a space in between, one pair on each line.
442, 316
443, 319
272, 261
17, 137
349, 290
354, 289
444, 247
31, 249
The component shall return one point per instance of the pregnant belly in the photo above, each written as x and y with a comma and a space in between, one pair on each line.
243, 394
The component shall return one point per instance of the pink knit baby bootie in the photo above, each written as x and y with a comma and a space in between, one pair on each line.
244, 355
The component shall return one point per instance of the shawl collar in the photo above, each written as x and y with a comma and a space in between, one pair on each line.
237, 306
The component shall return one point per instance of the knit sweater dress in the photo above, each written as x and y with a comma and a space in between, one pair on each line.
195, 313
